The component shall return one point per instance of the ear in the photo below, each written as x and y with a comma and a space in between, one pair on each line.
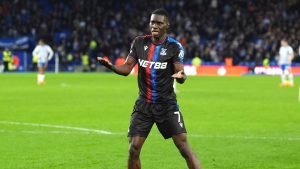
168, 23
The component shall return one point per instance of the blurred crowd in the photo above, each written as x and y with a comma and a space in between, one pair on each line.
246, 30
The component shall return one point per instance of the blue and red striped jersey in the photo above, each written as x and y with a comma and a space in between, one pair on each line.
156, 67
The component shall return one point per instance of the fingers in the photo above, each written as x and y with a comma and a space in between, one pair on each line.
178, 74
102, 60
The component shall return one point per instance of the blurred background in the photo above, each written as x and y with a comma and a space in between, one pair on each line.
218, 32
80, 120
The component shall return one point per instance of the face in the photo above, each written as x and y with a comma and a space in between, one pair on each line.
283, 43
158, 25
41, 42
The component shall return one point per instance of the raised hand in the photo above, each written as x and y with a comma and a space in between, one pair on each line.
178, 75
105, 62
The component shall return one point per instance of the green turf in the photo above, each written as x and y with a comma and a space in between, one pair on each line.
243, 122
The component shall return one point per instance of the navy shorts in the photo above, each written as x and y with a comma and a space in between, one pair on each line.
166, 116
285, 67
42, 64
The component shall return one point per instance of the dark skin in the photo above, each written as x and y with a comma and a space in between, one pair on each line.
159, 25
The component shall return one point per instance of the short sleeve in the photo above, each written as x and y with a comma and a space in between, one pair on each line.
133, 50
291, 51
179, 53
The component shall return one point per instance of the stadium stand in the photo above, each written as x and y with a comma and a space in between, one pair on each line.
246, 30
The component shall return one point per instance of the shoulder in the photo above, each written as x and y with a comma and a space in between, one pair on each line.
142, 38
37, 47
174, 43
47, 46
139, 41
176, 48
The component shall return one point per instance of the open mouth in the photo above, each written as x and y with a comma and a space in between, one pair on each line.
154, 32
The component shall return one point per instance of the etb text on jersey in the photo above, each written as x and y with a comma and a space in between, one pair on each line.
154, 65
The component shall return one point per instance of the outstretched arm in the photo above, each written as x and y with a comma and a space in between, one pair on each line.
179, 75
124, 69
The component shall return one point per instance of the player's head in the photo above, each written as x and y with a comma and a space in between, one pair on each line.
159, 23
41, 41
284, 42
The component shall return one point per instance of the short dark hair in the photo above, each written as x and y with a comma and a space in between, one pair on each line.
161, 11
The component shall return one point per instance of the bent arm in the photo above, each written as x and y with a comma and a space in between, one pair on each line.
35, 52
179, 75
124, 69
292, 56
50, 53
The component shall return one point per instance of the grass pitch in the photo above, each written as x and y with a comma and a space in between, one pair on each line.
243, 122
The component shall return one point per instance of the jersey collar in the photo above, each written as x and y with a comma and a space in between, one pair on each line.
161, 42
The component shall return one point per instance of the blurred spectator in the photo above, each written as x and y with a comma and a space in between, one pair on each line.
85, 62
266, 62
15, 62
196, 61
245, 30
70, 62
35, 59
7, 59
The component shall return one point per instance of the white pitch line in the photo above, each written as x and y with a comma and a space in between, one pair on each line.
46, 132
57, 126
52, 132
88, 131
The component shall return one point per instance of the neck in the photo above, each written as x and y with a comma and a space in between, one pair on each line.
158, 40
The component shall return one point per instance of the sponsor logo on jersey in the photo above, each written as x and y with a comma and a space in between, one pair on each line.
181, 54
153, 65
163, 52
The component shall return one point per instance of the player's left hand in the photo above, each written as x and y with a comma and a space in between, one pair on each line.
178, 75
